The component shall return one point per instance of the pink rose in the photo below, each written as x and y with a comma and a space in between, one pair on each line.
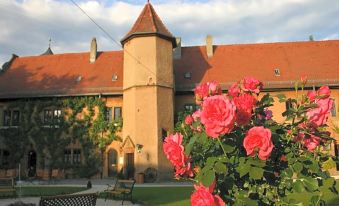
318, 116
324, 92
234, 90
218, 115
244, 103
182, 170
311, 95
201, 92
189, 120
213, 88
251, 84
205, 90
311, 143
299, 137
203, 197
174, 152
196, 115
258, 139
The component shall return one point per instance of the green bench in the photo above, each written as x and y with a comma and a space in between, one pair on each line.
122, 188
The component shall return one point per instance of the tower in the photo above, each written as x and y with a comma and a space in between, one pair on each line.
148, 90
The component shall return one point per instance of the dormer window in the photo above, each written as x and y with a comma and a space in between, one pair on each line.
114, 77
187, 75
79, 78
277, 72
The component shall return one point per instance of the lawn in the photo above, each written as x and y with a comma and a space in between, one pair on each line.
180, 196
37, 191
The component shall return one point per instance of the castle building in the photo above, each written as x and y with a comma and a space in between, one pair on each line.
150, 81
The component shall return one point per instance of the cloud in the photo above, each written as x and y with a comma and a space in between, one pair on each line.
27, 25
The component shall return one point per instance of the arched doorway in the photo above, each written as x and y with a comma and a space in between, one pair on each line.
31, 163
112, 162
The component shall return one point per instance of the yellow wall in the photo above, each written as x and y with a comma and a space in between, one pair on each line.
148, 100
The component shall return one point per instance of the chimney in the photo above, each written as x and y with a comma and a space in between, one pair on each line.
209, 46
93, 51
177, 50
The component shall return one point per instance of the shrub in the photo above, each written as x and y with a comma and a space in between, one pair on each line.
236, 154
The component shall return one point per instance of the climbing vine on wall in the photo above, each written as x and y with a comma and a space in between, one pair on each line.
81, 118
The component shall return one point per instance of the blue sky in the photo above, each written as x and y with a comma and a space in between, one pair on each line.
27, 25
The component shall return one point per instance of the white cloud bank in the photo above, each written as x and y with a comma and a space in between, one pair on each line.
26, 25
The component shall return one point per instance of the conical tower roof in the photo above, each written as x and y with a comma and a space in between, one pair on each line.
47, 52
149, 24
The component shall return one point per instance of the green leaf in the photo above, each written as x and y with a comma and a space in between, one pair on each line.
281, 97
207, 178
315, 199
328, 164
228, 148
256, 173
189, 146
310, 184
298, 167
243, 169
210, 162
298, 186
328, 183
220, 168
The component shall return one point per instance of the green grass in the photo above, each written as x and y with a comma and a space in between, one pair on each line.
180, 196
163, 196
37, 191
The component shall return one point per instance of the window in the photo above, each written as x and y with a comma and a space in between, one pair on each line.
7, 118
48, 116
68, 156
57, 116
117, 113
333, 109
76, 156
4, 158
52, 116
190, 107
187, 75
15, 118
11, 118
108, 115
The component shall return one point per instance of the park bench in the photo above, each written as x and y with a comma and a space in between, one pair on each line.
7, 185
122, 188
88, 199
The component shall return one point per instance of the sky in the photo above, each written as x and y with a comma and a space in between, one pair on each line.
27, 25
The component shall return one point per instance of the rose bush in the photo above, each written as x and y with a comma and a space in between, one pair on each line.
237, 154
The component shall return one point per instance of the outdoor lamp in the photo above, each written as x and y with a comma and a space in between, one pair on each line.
139, 147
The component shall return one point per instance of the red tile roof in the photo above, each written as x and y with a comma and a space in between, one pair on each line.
54, 75
319, 60
149, 23
62, 74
